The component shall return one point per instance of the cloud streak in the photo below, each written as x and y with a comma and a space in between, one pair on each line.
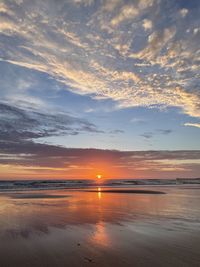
30, 159
149, 135
20, 125
197, 125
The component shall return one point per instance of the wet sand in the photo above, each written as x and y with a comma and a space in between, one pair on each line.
35, 196
73, 228
126, 191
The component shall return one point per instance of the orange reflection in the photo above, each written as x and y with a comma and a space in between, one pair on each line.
99, 192
100, 235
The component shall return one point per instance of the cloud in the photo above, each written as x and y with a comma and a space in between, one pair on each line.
83, 2
147, 135
138, 120
164, 131
21, 125
147, 24
43, 160
117, 131
127, 12
184, 12
118, 50
192, 124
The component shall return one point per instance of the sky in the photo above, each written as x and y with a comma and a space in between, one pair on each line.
105, 87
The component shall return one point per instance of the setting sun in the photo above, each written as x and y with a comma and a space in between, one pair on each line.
99, 176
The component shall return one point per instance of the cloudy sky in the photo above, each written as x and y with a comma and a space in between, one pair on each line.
99, 86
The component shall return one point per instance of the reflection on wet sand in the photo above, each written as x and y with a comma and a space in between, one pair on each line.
77, 228
100, 235
99, 192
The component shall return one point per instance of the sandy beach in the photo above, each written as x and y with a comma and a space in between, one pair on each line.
81, 228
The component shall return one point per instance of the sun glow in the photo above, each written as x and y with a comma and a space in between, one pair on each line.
98, 176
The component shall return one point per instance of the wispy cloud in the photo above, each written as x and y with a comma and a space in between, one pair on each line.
192, 124
148, 135
137, 120
115, 49
117, 131
22, 125
165, 131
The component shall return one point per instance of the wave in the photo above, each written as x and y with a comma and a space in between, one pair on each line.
75, 183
